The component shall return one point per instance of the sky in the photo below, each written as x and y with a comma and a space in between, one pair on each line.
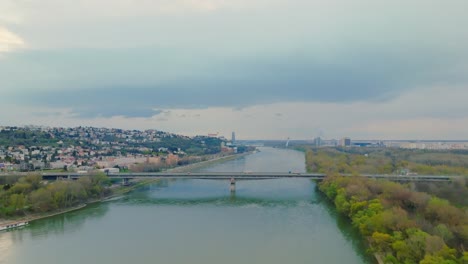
266, 69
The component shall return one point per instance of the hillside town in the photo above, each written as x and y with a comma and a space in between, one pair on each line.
87, 148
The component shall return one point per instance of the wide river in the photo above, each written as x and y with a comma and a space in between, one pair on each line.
283, 221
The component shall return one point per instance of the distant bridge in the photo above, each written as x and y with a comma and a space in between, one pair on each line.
245, 176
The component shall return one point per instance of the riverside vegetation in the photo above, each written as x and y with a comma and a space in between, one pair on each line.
30, 194
401, 225
357, 161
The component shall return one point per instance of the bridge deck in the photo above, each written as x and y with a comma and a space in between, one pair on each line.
246, 176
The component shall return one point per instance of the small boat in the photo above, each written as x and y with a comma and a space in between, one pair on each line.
13, 225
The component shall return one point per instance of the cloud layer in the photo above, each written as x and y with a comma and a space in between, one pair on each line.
436, 115
133, 61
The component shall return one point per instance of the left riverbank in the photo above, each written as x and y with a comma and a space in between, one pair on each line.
116, 191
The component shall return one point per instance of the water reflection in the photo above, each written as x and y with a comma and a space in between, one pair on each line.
65, 223
232, 200
189, 192
232, 197
6, 246
350, 233
60, 225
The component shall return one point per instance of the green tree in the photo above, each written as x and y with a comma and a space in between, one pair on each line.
381, 242
41, 200
17, 202
444, 232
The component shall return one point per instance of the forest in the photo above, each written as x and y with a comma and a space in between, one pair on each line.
387, 161
401, 223
356, 161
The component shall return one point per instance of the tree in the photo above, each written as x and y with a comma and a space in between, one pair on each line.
394, 219
445, 255
430, 259
41, 200
440, 211
17, 202
434, 244
381, 242
21, 188
444, 232
34, 180
416, 243
341, 202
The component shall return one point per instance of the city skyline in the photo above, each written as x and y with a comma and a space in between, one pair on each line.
265, 69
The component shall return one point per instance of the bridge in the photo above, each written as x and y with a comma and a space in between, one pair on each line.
233, 176
244, 176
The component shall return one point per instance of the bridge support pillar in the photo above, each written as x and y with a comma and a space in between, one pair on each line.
232, 188
124, 181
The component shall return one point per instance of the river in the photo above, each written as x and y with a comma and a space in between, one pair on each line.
199, 222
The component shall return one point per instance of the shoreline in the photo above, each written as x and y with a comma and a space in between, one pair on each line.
121, 190
377, 255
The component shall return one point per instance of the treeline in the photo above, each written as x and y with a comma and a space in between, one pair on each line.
26, 137
32, 195
356, 161
386, 161
401, 225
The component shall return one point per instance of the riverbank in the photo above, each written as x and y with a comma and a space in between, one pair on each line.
120, 190
395, 221
117, 192
388, 215
33, 217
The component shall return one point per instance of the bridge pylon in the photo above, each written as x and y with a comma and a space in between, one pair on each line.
232, 187
125, 181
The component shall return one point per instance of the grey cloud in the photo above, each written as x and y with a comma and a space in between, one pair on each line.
133, 82
324, 52
109, 108
47, 113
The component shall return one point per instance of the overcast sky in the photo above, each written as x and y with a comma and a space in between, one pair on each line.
267, 69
